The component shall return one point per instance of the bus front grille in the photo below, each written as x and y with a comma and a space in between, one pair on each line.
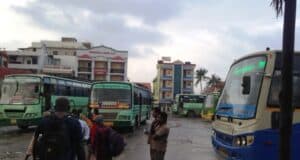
109, 116
224, 138
14, 113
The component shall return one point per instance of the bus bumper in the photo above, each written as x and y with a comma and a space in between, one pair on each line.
226, 152
118, 124
5, 122
19, 122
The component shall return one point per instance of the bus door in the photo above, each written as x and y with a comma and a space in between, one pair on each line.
47, 96
140, 108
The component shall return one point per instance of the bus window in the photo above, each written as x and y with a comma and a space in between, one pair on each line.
273, 99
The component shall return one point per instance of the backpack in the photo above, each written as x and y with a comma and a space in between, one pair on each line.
116, 143
55, 140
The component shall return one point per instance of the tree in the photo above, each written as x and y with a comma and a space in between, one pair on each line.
288, 41
214, 80
200, 77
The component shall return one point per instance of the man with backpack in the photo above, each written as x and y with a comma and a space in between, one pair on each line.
58, 136
106, 143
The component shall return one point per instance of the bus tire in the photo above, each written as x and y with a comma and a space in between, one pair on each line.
23, 127
191, 114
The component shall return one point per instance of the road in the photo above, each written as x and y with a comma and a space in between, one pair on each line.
189, 140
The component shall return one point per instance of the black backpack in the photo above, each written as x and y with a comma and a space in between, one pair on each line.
116, 143
55, 140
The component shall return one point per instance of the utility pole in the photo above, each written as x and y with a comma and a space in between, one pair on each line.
286, 106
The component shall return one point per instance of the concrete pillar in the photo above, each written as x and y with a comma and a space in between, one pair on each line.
93, 70
108, 69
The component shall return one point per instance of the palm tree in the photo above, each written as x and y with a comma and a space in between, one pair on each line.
214, 80
286, 109
200, 77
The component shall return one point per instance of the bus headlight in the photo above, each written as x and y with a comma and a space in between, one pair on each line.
213, 133
30, 115
124, 117
241, 141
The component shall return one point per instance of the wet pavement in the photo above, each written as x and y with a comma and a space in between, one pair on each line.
189, 140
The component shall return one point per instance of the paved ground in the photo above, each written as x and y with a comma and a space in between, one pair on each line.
189, 140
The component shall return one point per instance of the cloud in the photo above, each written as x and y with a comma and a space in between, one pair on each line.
120, 24
209, 33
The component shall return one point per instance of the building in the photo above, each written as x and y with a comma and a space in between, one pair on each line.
4, 70
102, 63
56, 58
67, 46
3, 59
172, 78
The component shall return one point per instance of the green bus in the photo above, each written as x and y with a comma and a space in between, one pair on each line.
210, 104
122, 104
188, 104
25, 97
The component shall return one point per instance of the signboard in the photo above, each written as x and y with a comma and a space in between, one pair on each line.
166, 59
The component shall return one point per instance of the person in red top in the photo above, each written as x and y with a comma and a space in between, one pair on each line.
100, 140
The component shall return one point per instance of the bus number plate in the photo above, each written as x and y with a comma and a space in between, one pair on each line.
108, 124
13, 121
223, 152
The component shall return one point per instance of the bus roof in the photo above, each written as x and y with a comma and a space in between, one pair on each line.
189, 95
122, 82
44, 75
259, 53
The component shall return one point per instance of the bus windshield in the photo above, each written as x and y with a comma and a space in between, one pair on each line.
112, 96
233, 103
209, 101
20, 90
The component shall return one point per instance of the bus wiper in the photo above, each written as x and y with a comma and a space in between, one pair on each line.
225, 108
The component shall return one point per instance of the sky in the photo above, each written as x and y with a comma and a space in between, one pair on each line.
208, 33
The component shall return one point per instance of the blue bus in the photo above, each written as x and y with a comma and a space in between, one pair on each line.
246, 125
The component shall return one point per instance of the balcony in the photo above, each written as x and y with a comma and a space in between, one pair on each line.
57, 69
117, 71
84, 69
167, 66
166, 77
187, 90
23, 66
100, 71
166, 88
188, 77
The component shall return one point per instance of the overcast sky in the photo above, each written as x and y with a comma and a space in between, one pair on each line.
209, 33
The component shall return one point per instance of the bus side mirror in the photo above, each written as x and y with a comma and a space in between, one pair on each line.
246, 84
275, 118
36, 89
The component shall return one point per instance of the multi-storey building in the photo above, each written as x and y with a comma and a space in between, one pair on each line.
56, 58
102, 63
172, 78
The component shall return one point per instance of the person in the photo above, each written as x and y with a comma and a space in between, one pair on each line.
159, 139
100, 140
155, 114
58, 136
85, 130
29, 151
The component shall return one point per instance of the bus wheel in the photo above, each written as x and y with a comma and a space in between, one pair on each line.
23, 127
191, 114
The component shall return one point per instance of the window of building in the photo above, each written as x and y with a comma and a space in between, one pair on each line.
28, 62
55, 52
34, 60
34, 49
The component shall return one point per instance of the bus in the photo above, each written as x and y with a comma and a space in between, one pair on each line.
209, 107
25, 97
188, 105
122, 104
246, 124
